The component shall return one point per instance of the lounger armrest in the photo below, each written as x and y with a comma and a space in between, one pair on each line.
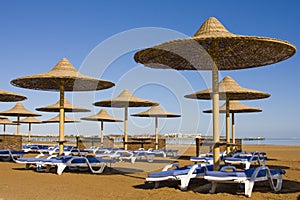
225, 168
170, 166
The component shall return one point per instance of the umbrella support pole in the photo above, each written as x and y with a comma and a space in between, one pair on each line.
216, 133
61, 119
125, 128
227, 125
156, 133
29, 133
232, 129
18, 125
101, 134
4, 129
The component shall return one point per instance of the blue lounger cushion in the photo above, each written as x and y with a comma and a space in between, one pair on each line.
247, 173
179, 171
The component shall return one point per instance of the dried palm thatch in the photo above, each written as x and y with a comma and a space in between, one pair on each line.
10, 96
56, 120
30, 120
156, 111
63, 73
102, 115
63, 77
68, 107
213, 45
7, 122
236, 107
19, 110
125, 99
230, 89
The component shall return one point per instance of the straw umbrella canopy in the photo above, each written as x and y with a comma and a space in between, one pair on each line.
18, 111
124, 100
63, 77
101, 116
30, 120
214, 48
68, 107
6, 121
56, 119
229, 89
235, 107
10, 96
156, 112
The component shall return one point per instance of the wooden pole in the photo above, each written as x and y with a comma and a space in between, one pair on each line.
156, 132
61, 118
101, 133
29, 132
125, 128
227, 124
18, 125
216, 132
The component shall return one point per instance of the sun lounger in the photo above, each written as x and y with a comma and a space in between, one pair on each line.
171, 152
207, 158
247, 177
143, 154
184, 174
8, 155
95, 165
35, 161
246, 159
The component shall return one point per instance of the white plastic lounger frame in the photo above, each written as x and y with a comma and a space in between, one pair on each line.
247, 181
256, 157
77, 166
184, 178
7, 155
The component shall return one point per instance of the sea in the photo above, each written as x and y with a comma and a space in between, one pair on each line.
266, 141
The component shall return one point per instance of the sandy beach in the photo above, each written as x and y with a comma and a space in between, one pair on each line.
127, 181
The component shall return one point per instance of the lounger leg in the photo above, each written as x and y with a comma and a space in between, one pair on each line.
278, 185
60, 168
156, 184
133, 159
213, 187
27, 166
184, 183
247, 165
248, 188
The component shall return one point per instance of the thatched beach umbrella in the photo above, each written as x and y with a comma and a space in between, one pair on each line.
63, 77
6, 121
124, 100
229, 90
10, 96
235, 107
29, 121
56, 119
156, 112
18, 111
68, 107
101, 116
214, 48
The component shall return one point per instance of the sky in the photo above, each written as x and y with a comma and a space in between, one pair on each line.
100, 39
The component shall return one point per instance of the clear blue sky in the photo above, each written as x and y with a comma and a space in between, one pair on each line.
104, 35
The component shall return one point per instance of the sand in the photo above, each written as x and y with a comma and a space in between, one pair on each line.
127, 181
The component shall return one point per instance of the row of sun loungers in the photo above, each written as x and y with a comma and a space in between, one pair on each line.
226, 174
102, 157
239, 158
7, 155
95, 165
